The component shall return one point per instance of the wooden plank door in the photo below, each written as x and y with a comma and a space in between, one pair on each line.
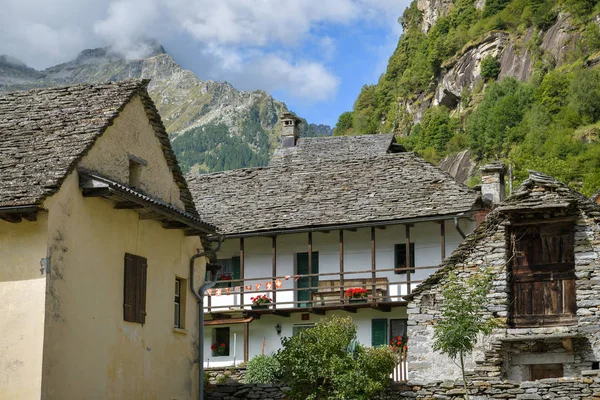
305, 282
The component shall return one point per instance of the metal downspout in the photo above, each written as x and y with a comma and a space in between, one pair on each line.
200, 298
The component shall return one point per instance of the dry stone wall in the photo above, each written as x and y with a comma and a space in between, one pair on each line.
584, 388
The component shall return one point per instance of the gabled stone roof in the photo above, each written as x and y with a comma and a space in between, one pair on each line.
44, 133
335, 148
323, 192
538, 193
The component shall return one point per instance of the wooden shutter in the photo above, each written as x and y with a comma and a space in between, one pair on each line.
235, 266
379, 332
129, 303
543, 275
134, 289
398, 327
142, 278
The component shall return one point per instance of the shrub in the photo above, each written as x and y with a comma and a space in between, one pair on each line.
490, 67
325, 362
262, 369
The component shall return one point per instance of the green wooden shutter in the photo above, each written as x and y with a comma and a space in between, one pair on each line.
379, 332
303, 282
235, 266
129, 306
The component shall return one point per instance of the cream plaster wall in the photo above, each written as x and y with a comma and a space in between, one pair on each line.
89, 350
22, 302
132, 133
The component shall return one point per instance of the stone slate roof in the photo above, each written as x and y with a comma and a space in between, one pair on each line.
321, 193
335, 148
539, 192
44, 133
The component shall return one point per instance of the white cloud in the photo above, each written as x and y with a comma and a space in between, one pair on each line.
238, 38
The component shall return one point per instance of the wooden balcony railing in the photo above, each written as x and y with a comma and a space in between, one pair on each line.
329, 292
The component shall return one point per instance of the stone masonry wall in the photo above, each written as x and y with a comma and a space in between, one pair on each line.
488, 247
584, 388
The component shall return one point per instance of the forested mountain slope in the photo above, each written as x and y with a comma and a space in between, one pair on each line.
213, 125
479, 80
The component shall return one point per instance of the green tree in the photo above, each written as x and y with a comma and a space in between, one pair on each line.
463, 317
490, 67
326, 362
344, 124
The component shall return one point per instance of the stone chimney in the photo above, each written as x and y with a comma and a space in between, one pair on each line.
289, 130
492, 182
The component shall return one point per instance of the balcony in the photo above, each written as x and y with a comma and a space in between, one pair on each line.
315, 293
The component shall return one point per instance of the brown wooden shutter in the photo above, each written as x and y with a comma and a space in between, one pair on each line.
129, 300
134, 289
142, 272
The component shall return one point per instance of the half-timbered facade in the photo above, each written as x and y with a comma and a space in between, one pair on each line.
97, 229
541, 245
327, 216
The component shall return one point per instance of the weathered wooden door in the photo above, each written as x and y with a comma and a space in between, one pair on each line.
543, 275
306, 282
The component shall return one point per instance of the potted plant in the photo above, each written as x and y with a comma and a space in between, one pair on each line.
261, 302
356, 295
220, 349
226, 276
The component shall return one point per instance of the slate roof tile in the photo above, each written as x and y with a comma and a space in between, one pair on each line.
45, 132
323, 192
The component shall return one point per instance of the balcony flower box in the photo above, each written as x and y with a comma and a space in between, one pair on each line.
356, 295
261, 302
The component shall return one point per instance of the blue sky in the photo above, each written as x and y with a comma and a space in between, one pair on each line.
314, 55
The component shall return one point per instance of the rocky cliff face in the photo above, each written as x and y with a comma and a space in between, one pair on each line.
184, 101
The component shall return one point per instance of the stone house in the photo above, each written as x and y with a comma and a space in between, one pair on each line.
97, 230
327, 215
541, 244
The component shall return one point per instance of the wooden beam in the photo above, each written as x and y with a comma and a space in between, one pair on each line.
382, 228
192, 232
242, 288
274, 268
30, 216
373, 265
443, 238
408, 266
282, 313
317, 311
216, 315
310, 278
246, 338
173, 225
231, 321
127, 205
350, 309
96, 192
341, 264
381, 307
12, 218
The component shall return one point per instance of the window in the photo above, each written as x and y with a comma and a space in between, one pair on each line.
135, 170
179, 304
400, 257
134, 293
398, 327
220, 345
379, 329
230, 271
543, 275
544, 371
299, 328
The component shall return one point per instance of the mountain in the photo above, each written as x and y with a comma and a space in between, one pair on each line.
213, 126
477, 80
